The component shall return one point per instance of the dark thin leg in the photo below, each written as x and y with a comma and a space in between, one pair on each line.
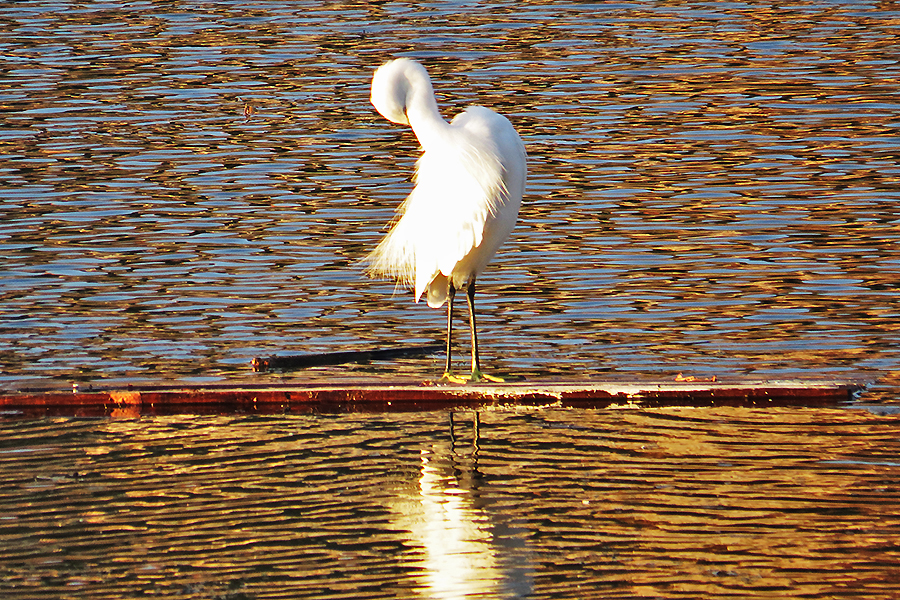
452, 436
449, 324
470, 294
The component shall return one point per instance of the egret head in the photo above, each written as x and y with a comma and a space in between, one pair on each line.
396, 85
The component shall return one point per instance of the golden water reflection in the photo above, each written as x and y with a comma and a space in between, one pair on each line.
469, 552
542, 503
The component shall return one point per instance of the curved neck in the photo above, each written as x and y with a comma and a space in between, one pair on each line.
424, 117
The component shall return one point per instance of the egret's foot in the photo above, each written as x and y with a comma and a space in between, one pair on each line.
478, 376
451, 378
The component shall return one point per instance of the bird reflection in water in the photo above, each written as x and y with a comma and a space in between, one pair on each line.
469, 551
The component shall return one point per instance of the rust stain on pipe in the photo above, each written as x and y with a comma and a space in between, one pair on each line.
410, 396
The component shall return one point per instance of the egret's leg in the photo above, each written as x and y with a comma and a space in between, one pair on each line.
477, 375
448, 375
470, 295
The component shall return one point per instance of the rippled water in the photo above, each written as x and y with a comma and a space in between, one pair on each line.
713, 187
713, 190
541, 504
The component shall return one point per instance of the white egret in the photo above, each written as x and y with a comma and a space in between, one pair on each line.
468, 188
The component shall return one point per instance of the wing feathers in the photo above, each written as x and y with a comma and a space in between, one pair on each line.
459, 187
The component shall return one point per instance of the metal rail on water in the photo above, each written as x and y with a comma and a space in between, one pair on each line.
411, 395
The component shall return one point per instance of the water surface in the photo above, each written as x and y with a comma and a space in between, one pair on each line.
713, 190
713, 187
662, 503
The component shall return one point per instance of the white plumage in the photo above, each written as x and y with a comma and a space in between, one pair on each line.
469, 183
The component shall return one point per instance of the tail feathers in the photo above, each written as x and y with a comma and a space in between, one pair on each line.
392, 259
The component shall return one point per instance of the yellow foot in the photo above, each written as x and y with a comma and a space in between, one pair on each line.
477, 377
450, 377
